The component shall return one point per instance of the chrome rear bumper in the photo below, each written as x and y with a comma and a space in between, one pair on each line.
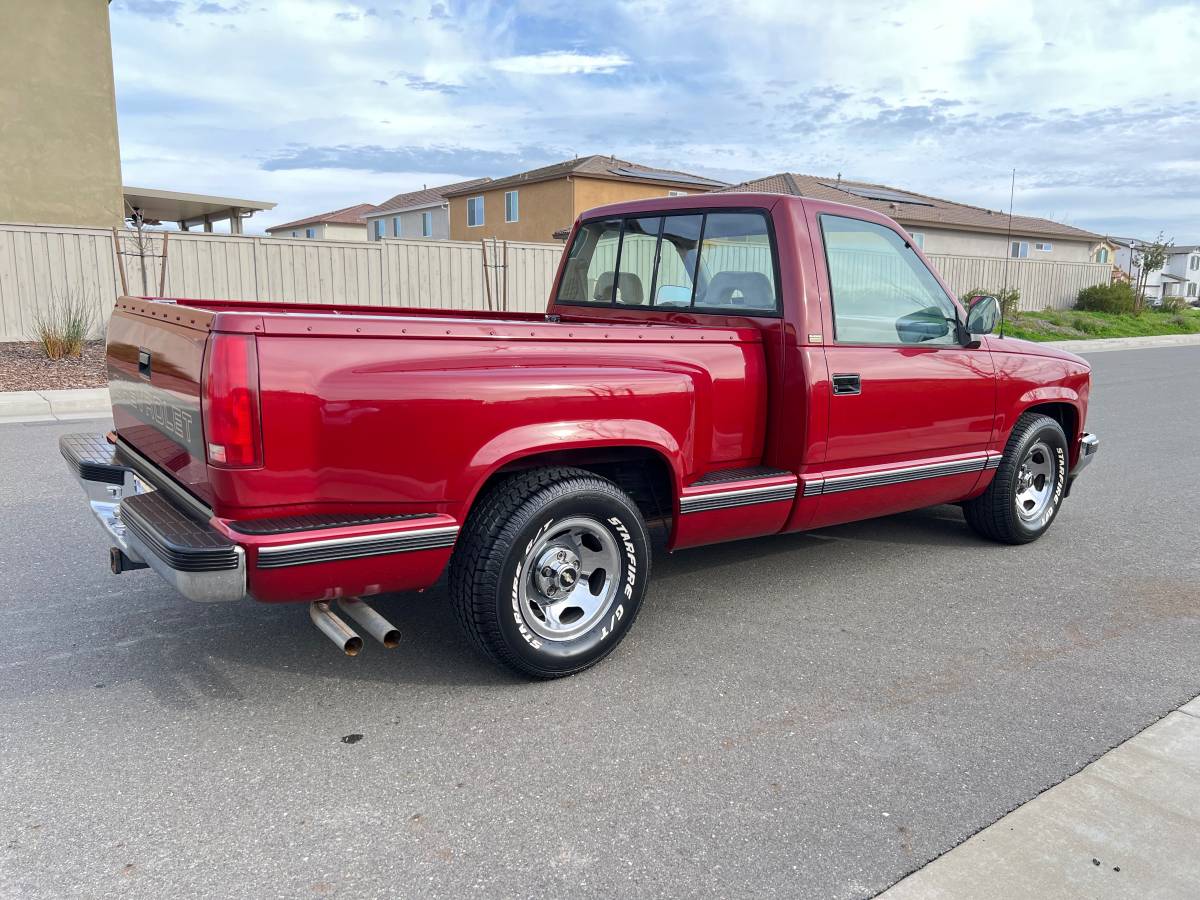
149, 528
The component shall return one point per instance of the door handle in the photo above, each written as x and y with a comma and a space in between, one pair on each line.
847, 384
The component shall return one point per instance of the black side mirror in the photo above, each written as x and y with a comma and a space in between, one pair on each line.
983, 315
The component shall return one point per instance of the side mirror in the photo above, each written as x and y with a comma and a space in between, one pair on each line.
983, 314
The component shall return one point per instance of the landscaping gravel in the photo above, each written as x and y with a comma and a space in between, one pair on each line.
24, 367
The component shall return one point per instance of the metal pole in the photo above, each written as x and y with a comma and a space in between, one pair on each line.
505, 276
162, 273
487, 284
120, 264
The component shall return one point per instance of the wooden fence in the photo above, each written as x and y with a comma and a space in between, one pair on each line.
41, 264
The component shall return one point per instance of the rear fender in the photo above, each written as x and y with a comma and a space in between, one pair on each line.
546, 437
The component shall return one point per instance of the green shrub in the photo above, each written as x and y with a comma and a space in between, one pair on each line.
1110, 298
63, 324
1087, 324
1010, 300
1173, 304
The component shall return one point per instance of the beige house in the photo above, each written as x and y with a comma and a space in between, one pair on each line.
417, 214
340, 225
532, 206
58, 133
943, 226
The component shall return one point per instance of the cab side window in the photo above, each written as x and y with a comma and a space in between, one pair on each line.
882, 291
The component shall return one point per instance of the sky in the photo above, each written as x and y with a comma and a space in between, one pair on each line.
322, 104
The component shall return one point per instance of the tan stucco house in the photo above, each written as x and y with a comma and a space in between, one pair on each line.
340, 225
417, 214
943, 226
60, 162
532, 206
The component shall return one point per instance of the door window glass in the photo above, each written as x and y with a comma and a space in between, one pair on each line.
639, 245
590, 273
882, 292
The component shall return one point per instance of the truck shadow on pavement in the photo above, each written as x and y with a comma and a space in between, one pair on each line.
186, 655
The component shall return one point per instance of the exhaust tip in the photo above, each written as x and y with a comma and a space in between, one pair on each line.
353, 646
372, 622
330, 625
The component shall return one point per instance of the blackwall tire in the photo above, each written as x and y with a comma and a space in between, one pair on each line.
1029, 486
550, 570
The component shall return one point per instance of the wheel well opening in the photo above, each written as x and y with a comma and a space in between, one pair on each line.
1064, 414
641, 473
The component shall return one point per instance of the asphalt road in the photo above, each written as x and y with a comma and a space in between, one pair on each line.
803, 716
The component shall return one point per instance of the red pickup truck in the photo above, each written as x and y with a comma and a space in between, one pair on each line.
717, 368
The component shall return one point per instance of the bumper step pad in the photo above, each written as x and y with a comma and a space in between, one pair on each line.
179, 540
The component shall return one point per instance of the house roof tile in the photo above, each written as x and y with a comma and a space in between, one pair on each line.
351, 215
426, 196
609, 167
921, 209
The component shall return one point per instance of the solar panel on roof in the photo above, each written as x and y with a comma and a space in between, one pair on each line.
662, 176
870, 193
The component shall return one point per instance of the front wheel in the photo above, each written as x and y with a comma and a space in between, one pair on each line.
1027, 491
550, 571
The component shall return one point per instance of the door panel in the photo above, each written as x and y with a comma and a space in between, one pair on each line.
910, 410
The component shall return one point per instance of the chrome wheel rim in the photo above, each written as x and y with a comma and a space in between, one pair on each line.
1035, 481
569, 578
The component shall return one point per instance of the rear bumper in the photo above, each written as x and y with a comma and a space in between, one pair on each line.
290, 559
191, 556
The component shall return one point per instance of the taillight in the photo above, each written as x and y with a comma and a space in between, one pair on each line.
232, 436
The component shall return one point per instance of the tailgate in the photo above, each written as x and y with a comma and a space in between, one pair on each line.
155, 357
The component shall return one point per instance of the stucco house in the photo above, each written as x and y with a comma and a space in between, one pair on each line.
1179, 277
944, 226
417, 214
340, 225
533, 205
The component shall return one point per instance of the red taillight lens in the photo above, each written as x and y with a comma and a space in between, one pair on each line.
232, 436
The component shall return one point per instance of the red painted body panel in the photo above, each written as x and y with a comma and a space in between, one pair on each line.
369, 411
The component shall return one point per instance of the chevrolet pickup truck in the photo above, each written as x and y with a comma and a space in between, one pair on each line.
712, 368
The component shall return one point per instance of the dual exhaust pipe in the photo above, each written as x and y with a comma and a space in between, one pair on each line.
346, 638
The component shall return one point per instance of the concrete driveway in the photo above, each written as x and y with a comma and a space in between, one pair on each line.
804, 716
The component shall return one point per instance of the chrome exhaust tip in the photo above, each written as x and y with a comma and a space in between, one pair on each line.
332, 626
372, 622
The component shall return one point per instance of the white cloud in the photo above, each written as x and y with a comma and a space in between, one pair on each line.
560, 62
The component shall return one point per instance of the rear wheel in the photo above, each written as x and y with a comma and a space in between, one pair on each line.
1025, 495
550, 571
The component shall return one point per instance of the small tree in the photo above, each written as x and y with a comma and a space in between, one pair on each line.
1148, 258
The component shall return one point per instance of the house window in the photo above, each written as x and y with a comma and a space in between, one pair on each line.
295, 234
380, 229
474, 212
918, 238
1102, 255
396, 226
1191, 289
1194, 263
1019, 249
677, 193
310, 233
1044, 248
426, 224
511, 209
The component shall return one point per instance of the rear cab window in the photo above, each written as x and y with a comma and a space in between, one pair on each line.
716, 261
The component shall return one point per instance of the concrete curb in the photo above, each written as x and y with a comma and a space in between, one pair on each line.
1123, 826
54, 406
1130, 343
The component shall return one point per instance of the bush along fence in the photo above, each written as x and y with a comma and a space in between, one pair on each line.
43, 267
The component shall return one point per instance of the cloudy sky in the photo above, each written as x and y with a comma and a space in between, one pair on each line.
319, 104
